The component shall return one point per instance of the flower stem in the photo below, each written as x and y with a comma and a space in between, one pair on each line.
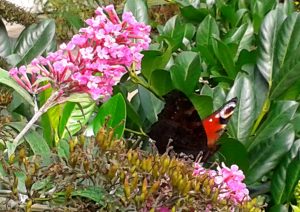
48, 104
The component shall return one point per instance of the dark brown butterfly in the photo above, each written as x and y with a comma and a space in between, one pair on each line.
180, 122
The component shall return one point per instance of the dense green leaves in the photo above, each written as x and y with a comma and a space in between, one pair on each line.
207, 30
112, 114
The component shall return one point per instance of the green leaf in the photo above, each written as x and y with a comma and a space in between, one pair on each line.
280, 177
267, 39
5, 46
161, 81
288, 75
63, 149
154, 59
233, 152
34, 40
173, 32
192, 14
74, 116
139, 10
288, 38
243, 118
280, 114
186, 71
7, 80
150, 104
203, 104
96, 194
225, 56
268, 153
293, 177
207, 30
279, 208
115, 109
36, 142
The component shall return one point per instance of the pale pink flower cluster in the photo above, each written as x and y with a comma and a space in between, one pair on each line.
93, 61
229, 181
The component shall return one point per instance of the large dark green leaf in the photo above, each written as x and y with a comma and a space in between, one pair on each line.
139, 10
161, 81
5, 47
233, 152
288, 75
154, 59
243, 118
74, 116
115, 109
36, 142
150, 104
268, 153
5, 79
192, 14
280, 177
186, 71
267, 39
288, 38
280, 114
34, 40
207, 30
293, 177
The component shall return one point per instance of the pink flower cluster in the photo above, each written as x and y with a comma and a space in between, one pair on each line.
93, 61
228, 181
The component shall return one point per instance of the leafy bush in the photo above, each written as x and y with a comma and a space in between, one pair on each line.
222, 49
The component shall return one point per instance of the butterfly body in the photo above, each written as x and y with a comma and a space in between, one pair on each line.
180, 122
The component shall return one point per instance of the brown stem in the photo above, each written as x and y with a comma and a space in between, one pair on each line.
48, 104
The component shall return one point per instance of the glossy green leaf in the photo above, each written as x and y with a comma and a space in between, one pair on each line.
154, 59
74, 116
161, 81
174, 32
203, 104
7, 80
150, 104
5, 46
279, 208
186, 71
280, 114
288, 75
225, 57
293, 177
267, 39
280, 177
36, 142
265, 156
139, 10
93, 193
288, 38
207, 30
233, 152
192, 14
115, 110
243, 118
34, 40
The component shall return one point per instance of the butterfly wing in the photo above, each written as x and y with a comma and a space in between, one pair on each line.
180, 122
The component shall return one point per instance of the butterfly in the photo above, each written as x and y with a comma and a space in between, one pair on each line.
180, 122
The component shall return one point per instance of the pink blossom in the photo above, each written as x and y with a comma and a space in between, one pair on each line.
93, 61
227, 180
